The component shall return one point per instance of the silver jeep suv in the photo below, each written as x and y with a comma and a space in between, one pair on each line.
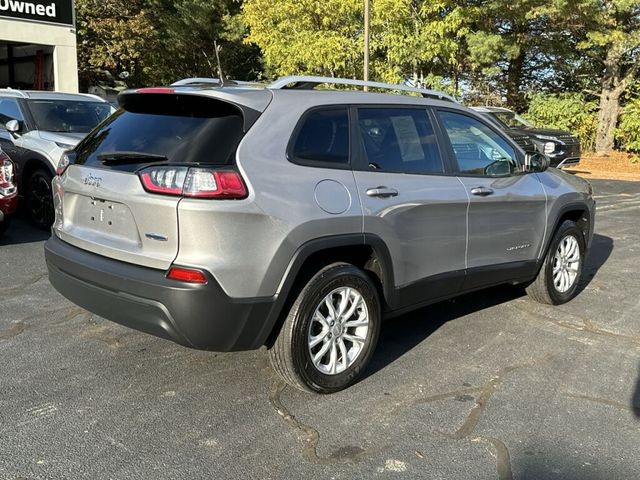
227, 217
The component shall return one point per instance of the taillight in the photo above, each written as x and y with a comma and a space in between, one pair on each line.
7, 187
63, 163
189, 275
164, 180
194, 182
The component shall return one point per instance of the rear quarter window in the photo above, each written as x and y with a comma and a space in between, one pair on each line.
322, 138
184, 129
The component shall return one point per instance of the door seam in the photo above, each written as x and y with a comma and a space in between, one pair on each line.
466, 245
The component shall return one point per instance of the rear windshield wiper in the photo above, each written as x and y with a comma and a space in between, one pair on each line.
130, 157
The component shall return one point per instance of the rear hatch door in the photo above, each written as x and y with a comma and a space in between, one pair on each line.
101, 205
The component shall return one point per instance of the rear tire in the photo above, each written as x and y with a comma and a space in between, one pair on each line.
39, 196
338, 312
557, 280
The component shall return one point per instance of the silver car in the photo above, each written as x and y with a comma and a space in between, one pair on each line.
35, 130
227, 217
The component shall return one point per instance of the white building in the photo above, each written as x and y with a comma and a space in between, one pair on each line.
38, 45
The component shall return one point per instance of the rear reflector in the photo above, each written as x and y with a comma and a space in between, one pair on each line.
193, 182
7, 185
188, 275
64, 162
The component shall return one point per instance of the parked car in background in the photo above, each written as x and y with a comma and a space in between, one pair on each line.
35, 129
562, 148
8, 191
231, 217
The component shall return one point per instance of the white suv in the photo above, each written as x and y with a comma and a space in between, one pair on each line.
35, 129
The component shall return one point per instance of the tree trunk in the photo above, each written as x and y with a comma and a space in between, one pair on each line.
607, 119
515, 99
612, 87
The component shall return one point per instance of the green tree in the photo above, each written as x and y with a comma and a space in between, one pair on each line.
409, 38
628, 131
421, 39
609, 36
566, 111
307, 36
187, 30
116, 37
161, 41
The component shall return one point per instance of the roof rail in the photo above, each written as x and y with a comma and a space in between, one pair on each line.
14, 93
309, 83
94, 96
208, 81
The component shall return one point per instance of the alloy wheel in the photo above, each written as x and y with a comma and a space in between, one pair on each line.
566, 263
338, 330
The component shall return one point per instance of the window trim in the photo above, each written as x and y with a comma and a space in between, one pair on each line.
360, 154
320, 163
451, 154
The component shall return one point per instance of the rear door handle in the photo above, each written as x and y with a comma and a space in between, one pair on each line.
382, 192
481, 191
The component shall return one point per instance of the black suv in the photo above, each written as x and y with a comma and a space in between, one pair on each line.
562, 148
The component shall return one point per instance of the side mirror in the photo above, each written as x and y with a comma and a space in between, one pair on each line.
13, 127
536, 162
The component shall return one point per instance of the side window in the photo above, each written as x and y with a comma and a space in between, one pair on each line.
478, 149
399, 140
9, 110
323, 137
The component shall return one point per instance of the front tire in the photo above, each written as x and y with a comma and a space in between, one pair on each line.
557, 280
331, 331
39, 198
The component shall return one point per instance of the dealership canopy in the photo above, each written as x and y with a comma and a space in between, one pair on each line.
38, 45
56, 11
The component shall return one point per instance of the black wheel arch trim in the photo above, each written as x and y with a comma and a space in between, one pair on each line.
569, 207
33, 164
305, 251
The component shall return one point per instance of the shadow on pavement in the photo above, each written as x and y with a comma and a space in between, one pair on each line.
635, 399
600, 251
536, 465
20, 231
401, 334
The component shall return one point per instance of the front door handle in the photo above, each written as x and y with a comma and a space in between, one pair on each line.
382, 192
481, 191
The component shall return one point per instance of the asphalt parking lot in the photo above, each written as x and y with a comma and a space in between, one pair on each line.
491, 385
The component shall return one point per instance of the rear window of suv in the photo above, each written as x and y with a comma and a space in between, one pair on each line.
184, 129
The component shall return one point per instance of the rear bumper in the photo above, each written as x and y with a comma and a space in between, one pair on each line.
197, 316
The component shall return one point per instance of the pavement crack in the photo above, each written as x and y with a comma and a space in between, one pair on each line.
585, 324
311, 437
28, 283
503, 459
486, 392
635, 409
15, 330
434, 398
